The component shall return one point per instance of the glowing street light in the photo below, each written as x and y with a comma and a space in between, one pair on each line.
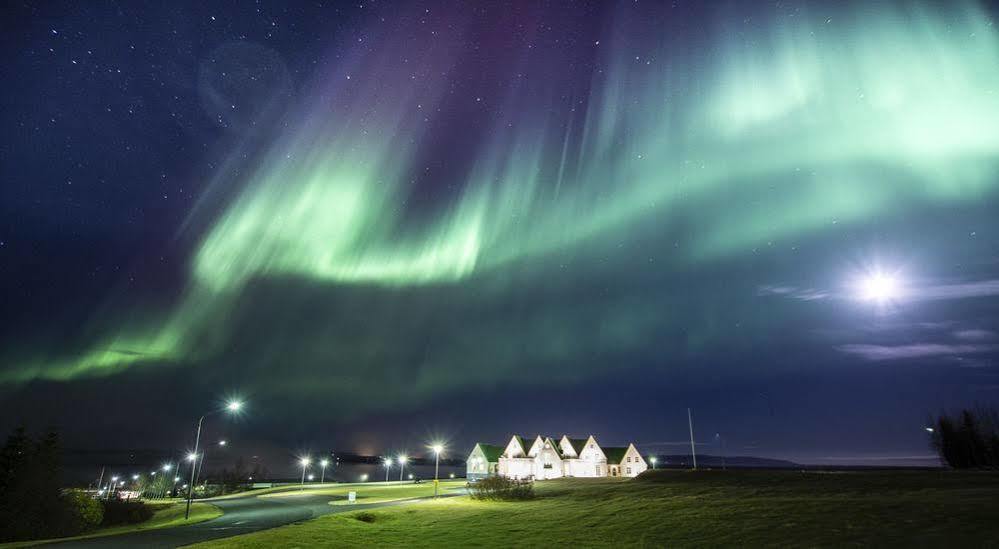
323, 463
304, 462
402, 465
222, 443
233, 407
388, 465
437, 448
652, 460
929, 429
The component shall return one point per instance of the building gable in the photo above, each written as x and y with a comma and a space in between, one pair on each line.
636, 457
591, 450
567, 448
517, 447
536, 446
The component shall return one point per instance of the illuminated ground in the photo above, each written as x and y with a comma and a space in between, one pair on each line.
683, 509
244, 513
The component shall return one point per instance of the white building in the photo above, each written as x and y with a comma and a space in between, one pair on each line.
547, 457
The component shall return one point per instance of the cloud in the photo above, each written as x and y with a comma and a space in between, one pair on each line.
981, 288
974, 335
965, 290
804, 294
916, 350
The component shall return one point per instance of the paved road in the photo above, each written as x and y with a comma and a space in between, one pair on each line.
242, 515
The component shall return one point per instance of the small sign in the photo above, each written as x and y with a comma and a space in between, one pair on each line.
351, 497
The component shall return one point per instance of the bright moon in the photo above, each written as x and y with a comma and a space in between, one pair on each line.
879, 288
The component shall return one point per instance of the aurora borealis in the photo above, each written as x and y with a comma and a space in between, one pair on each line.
434, 202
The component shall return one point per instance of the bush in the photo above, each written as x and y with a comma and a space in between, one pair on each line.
365, 516
502, 488
117, 512
82, 512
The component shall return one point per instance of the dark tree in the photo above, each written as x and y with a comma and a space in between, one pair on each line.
968, 440
33, 504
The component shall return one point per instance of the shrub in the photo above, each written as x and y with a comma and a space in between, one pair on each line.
502, 488
118, 512
82, 512
365, 516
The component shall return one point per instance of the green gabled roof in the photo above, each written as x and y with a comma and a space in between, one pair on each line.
614, 454
578, 444
555, 446
524, 443
491, 451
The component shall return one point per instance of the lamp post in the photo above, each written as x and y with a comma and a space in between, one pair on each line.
402, 465
652, 460
305, 465
166, 469
322, 477
388, 465
437, 448
233, 406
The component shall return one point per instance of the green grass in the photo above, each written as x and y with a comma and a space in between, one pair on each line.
374, 492
164, 516
682, 509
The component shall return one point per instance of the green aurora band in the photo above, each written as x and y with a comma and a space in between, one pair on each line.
830, 121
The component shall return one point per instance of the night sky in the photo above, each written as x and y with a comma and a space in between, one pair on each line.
383, 223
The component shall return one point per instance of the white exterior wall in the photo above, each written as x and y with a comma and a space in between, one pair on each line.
548, 463
567, 449
632, 464
513, 449
476, 462
586, 468
519, 468
535, 446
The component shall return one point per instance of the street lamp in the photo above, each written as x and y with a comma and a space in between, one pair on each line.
402, 465
652, 460
114, 484
388, 465
323, 463
437, 448
233, 406
305, 465
222, 443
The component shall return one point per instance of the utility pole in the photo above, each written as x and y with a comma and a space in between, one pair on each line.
690, 424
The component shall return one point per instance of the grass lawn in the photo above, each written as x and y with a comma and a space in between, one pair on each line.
374, 492
678, 508
165, 515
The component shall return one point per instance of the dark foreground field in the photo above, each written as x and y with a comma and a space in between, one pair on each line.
676, 508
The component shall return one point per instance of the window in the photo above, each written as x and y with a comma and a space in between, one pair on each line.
628, 470
629, 459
